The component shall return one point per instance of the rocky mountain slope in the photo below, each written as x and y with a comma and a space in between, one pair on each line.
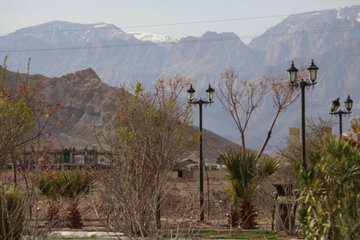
85, 100
88, 102
308, 34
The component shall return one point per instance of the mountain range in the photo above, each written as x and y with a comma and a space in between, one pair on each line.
330, 37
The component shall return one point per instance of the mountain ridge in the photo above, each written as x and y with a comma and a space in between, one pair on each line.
204, 58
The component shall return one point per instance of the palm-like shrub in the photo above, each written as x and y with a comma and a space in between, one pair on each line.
12, 213
246, 171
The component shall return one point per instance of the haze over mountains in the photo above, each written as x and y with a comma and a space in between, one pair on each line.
331, 37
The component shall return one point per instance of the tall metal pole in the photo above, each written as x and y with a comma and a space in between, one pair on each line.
303, 141
335, 105
340, 123
201, 173
191, 100
303, 83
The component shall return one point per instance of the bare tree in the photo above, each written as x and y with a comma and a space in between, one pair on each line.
283, 96
241, 98
150, 132
319, 130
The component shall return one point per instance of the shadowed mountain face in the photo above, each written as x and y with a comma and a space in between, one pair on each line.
89, 102
330, 37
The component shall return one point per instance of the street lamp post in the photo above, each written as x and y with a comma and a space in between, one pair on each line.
302, 84
335, 105
191, 100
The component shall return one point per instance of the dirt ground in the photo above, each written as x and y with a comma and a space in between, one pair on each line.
185, 191
184, 196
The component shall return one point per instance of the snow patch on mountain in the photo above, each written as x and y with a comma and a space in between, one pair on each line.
338, 13
100, 25
151, 37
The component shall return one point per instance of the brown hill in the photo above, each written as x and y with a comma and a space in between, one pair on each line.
88, 102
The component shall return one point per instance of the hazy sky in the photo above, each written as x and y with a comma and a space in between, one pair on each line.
137, 15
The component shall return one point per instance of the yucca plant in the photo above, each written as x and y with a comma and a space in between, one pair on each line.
246, 171
12, 213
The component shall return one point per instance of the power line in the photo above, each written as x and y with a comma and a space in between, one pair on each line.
182, 42
240, 19
178, 23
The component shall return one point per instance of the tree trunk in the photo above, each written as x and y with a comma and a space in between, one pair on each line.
248, 215
158, 213
268, 135
14, 168
243, 140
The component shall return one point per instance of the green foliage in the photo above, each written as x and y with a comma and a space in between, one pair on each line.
65, 183
331, 193
258, 234
138, 91
74, 183
12, 213
16, 123
245, 172
349, 217
45, 183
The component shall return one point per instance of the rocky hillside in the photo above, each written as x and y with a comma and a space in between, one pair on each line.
88, 102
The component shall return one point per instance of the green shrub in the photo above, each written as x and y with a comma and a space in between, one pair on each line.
12, 213
75, 183
331, 193
45, 183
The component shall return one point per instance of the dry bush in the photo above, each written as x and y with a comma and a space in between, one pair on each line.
122, 213
150, 131
278, 209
